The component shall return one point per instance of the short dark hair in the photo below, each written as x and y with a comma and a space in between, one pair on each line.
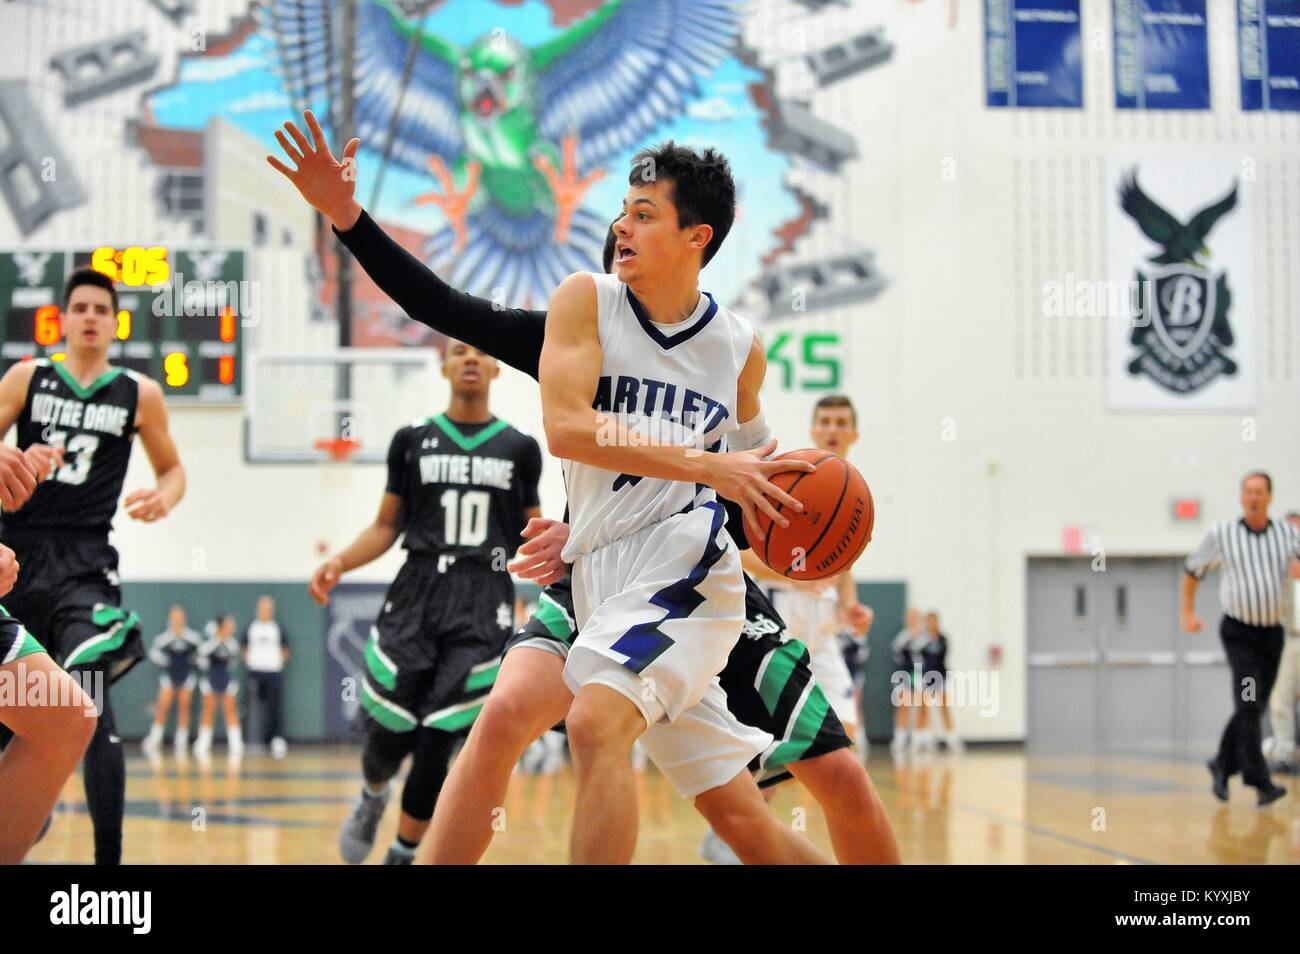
702, 187
1268, 481
835, 400
88, 276
607, 256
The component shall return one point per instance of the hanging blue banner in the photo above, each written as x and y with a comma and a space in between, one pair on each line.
1162, 54
1268, 33
1033, 53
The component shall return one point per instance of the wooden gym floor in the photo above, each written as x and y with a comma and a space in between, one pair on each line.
998, 806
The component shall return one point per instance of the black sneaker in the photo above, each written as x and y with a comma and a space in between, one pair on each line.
1219, 781
1267, 796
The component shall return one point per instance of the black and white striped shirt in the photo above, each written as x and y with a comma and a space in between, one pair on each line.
1252, 586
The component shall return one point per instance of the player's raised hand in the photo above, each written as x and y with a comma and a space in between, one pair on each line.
328, 184
44, 459
325, 579
145, 504
17, 477
8, 569
539, 559
745, 477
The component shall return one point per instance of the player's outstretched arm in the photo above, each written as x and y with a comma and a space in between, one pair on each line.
153, 503
371, 543
512, 335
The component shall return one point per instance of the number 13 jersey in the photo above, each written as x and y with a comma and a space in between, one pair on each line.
94, 426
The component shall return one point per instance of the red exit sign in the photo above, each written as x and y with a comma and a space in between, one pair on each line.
1187, 508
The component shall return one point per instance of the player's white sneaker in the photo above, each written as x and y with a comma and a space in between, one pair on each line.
357, 836
718, 851
279, 748
898, 745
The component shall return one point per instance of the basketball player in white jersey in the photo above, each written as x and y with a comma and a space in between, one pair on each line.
650, 396
530, 692
815, 613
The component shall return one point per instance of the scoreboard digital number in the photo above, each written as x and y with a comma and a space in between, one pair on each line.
179, 318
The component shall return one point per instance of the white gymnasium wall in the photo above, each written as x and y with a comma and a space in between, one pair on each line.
959, 337
957, 340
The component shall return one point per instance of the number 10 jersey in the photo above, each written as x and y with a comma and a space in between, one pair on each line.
466, 487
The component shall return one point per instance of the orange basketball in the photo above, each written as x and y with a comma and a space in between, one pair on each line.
834, 527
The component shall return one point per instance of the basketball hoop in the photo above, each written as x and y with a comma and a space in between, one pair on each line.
340, 449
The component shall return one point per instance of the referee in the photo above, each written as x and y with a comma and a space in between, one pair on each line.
1254, 553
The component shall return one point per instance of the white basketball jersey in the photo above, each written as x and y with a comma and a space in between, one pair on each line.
810, 617
674, 384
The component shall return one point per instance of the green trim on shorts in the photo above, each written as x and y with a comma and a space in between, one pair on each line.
24, 645
483, 676
552, 615
379, 665
388, 714
457, 717
802, 729
775, 672
119, 622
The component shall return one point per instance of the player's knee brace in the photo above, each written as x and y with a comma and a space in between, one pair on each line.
433, 750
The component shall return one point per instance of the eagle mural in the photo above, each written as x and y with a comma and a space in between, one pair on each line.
512, 136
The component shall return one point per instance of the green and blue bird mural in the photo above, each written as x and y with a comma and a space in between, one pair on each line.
511, 136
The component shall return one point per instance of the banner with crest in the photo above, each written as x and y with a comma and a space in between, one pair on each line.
1180, 234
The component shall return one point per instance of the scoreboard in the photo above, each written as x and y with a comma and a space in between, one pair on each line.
180, 313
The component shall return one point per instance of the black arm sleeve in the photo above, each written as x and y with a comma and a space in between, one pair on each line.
511, 335
531, 473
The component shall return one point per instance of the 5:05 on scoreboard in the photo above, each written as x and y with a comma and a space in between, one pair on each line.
180, 316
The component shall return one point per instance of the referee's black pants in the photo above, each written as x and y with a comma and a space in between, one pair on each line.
1254, 653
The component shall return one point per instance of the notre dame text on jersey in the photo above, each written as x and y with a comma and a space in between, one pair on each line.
94, 426
466, 486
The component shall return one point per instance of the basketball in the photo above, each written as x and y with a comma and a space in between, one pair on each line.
834, 527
